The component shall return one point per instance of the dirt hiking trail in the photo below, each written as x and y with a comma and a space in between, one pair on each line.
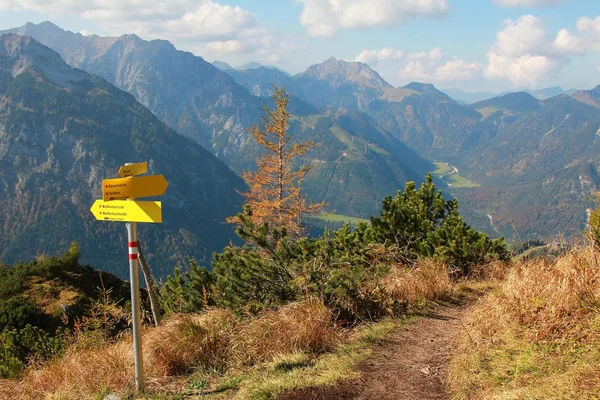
410, 364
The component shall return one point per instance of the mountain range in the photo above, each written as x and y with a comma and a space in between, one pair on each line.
530, 163
537, 162
473, 97
207, 105
531, 155
62, 131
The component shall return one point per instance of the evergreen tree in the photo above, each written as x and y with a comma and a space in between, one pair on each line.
187, 292
259, 274
594, 223
461, 247
420, 223
408, 220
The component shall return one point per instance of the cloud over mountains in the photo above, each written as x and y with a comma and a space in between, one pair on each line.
325, 17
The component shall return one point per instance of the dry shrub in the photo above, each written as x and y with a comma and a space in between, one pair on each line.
426, 281
305, 326
186, 341
78, 375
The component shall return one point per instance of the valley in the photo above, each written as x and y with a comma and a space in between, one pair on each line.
449, 174
373, 137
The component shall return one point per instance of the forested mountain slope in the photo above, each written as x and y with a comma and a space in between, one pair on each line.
61, 132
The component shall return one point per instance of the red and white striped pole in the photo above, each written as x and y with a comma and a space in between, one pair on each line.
135, 304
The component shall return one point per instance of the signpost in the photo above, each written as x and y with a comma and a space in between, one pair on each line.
119, 205
133, 187
133, 169
127, 211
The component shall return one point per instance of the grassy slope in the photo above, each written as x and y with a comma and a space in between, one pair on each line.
537, 336
300, 370
49, 284
218, 354
296, 370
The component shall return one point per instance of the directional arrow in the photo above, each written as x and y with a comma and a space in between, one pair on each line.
127, 211
133, 187
133, 169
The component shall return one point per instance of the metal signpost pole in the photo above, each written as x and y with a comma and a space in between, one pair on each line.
135, 304
118, 204
134, 278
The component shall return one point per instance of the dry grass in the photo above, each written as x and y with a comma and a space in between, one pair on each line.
185, 341
427, 281
305, 327
78, 375
494, 271
213, 341
538, 336
217, 342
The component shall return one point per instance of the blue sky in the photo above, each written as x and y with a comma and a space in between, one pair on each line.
492, 45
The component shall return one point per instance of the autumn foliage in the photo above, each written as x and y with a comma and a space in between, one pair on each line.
275, 188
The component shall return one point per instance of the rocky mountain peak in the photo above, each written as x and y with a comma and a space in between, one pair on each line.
590, 97
21, 53
222, 65
338, 72
421, 87
250, 65
47, 25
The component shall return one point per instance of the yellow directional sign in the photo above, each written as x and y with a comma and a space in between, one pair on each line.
127, 211
133, 169
133, 187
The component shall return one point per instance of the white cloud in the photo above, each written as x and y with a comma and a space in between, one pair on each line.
458, 70
414, 71
198, 24
527, 3
374, 56
591, 29
526, 55
425, 66
567, 43
427, 70
525, 35
527, 70
258, 40
434, 54
106, 9
210, 20
325, 17
586, 24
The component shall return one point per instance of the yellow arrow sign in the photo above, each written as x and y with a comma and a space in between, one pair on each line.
133, 169
133, 187
127, 211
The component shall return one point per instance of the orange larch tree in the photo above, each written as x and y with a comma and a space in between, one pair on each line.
275, 189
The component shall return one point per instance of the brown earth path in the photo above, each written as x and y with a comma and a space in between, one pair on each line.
410, 364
